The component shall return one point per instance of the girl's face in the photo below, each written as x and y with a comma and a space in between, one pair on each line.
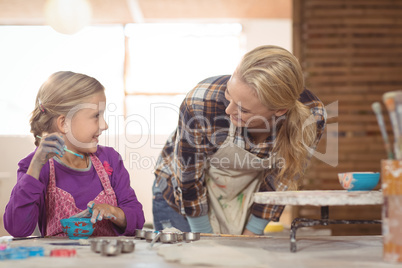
245, 109
85, 124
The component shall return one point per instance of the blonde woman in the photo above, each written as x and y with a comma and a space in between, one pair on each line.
253, 131
69, 173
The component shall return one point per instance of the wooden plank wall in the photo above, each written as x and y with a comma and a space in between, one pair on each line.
351, 52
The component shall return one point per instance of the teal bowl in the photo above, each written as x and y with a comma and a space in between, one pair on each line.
359, 181
77, 228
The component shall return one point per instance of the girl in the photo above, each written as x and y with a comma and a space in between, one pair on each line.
69, 173
249, 132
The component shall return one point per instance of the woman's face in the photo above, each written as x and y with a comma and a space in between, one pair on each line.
245, 109
87, 124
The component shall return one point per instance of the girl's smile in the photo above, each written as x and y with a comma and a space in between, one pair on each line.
87, 124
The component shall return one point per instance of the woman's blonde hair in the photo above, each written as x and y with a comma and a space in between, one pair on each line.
276, 76
61, 92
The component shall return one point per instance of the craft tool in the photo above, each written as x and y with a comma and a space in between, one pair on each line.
231, 235
376, 106
398, 111
389, 101
154, 235
67, 150
26, 237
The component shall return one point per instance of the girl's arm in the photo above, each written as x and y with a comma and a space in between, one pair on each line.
26, 207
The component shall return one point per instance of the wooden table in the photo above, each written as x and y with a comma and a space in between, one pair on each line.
323, 199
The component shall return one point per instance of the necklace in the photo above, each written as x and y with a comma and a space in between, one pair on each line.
86, 160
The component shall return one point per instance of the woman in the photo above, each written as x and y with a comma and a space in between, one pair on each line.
250, 132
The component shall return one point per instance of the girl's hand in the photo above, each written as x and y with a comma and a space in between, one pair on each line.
100, 211
49, 146
106, 211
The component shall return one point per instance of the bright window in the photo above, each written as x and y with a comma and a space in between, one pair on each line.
164, 62
30, 54
172, 58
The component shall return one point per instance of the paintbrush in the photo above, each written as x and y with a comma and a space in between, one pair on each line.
376, 106
67, 150
398, 110
389, 101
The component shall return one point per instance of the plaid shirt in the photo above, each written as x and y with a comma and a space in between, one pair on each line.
203, 126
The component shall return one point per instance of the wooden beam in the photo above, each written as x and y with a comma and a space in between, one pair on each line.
193, 9
30, 12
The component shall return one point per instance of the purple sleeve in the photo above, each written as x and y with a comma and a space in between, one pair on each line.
126, 197
26, 207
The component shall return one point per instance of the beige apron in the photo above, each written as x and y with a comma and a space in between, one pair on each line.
232, 177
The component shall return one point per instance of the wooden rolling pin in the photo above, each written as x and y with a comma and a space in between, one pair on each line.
230, 235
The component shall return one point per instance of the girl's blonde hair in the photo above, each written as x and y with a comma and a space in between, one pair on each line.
57, 96
276, 76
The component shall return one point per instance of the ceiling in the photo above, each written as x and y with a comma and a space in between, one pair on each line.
30, 12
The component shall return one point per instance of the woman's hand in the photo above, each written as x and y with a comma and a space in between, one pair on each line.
105, 211
249, 233
49, 146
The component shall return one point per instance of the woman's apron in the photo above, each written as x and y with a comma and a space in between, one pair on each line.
61, 204
232, 178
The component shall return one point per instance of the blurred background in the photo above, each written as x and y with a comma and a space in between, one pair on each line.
149, 53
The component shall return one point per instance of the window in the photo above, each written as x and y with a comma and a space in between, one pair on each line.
163, 63
168, 60
30, 54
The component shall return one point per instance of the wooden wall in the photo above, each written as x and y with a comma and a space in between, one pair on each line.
351, 52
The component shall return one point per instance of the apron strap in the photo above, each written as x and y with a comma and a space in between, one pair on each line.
232, 130
102, 175
52, 177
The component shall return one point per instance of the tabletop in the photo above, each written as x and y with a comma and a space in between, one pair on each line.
268, 252
320, 197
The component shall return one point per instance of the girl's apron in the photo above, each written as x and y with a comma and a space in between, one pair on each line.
232, 178
60, 204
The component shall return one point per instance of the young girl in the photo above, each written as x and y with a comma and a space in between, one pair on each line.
69, 173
